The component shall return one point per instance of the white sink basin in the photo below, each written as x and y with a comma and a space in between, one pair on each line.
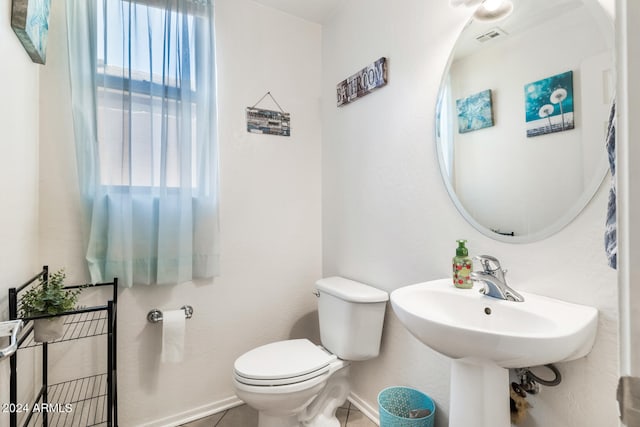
484, 336
463, 323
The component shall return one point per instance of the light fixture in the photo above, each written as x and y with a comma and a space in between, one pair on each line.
492, 5
493, 10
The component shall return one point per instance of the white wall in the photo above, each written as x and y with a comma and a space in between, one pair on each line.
18, 160
18, 174
270, 217
388, 221
628, 129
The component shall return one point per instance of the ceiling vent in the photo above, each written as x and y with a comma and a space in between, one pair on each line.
491, 34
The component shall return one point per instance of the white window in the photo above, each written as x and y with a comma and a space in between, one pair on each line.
146, 95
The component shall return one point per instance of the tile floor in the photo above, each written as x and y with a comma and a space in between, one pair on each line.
244, 416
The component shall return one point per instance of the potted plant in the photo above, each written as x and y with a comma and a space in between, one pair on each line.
49, 298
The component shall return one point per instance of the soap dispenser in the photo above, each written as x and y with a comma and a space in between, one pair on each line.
462, 266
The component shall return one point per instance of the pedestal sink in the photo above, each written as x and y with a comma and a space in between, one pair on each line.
485, 336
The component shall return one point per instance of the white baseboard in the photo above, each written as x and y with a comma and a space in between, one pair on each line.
195, 413
364, 407
233, 401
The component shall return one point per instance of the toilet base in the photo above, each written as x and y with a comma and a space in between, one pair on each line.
323, 421
322, 411
266, 420
320, 407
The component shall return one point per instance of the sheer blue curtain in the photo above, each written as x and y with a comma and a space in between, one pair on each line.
143, 97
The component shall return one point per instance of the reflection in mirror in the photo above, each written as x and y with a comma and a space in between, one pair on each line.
511, 186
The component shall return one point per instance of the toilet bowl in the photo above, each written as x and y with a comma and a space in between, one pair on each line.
282, 379
296, 383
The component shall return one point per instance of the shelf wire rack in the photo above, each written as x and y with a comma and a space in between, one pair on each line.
80, 402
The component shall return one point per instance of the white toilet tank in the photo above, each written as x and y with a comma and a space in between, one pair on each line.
351, 315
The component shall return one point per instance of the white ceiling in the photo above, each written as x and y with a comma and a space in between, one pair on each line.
311, 10
526, 15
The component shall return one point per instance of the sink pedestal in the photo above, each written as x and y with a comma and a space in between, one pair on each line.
479, 394
481, 334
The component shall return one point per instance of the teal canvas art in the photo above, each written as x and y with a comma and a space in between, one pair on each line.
474, 112
549, 104
30, 22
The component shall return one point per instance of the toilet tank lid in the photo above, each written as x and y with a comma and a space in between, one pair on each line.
350, 290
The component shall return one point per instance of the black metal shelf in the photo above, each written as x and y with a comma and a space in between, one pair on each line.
79, 402
76, 326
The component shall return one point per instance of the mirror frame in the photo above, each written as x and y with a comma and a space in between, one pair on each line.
605, 22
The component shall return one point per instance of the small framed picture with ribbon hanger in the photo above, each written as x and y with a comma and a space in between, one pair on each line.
269, 122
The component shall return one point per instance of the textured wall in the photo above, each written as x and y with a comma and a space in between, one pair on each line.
18, 160
18, 176
388, 221
628, 50
270, 217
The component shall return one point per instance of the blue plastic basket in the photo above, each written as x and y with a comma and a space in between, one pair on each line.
395, 403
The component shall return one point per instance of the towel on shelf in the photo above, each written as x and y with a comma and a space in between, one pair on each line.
610, 233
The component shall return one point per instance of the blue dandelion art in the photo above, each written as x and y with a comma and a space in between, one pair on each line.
474, 112
549, 105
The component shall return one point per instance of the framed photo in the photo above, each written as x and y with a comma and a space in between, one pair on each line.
549, 105
30, 22
268, 122
474, 112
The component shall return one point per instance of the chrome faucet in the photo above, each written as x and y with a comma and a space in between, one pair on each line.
492, 276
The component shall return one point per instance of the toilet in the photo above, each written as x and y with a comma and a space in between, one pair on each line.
296, 383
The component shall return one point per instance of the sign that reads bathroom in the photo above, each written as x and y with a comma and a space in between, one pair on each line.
362, 83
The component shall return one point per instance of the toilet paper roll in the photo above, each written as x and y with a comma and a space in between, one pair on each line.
173, 329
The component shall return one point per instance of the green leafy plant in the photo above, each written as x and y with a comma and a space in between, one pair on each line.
49, 297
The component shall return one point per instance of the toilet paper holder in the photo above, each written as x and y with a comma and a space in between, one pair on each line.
155, 315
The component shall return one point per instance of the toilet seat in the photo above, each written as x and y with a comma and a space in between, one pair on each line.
283, 363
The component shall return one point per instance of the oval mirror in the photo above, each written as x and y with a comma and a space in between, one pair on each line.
522, 117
